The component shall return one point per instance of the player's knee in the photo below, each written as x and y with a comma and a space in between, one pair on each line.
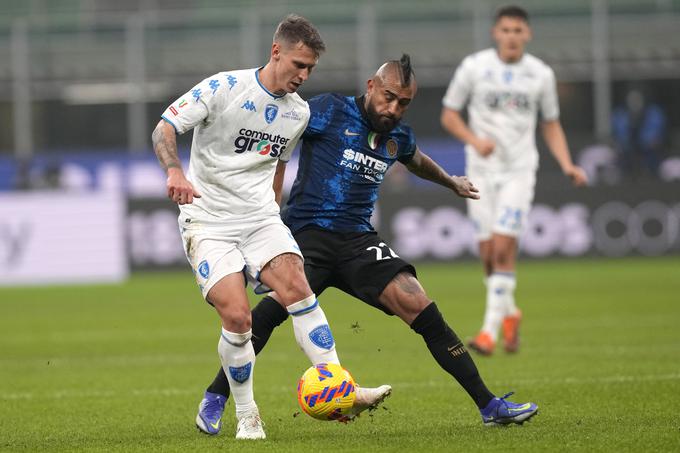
415, 305
405, 296
295, 288
235, 317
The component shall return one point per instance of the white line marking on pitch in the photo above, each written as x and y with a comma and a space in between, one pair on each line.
77, 393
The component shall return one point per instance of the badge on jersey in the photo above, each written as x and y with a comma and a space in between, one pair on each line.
270, 112
204, 269
392, 147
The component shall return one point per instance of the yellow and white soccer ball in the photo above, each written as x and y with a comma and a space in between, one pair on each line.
326, 392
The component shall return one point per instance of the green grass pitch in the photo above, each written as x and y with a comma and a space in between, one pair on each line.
122, 368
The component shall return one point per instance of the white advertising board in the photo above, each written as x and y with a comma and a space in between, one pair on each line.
58, 237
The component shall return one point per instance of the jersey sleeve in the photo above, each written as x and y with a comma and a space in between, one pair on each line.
290, 147
196, 106
409, 150
321, 110
460, 87
550, 107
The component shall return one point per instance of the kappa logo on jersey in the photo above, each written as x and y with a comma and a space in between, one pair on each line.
196, 93
214, 85
262, 142
248, 105
231, 80
270, 112
507, 100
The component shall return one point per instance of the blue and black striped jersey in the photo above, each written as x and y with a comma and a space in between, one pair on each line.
342, 163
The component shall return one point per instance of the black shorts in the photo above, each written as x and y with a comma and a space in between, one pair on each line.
360, 264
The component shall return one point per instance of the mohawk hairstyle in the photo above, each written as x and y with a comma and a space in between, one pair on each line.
405, 70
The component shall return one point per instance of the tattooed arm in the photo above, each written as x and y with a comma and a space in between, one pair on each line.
164, 140
424, 167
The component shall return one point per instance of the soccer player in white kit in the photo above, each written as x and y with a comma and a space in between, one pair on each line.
246, 124
504, 88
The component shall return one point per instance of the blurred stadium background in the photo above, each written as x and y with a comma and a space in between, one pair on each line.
121, 366
83, 82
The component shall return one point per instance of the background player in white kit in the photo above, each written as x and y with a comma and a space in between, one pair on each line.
246, 124
504, 88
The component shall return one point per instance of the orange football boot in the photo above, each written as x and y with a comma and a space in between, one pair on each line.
482, 344
511, 332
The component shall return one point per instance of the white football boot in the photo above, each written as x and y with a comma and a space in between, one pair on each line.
250, 426
367, 398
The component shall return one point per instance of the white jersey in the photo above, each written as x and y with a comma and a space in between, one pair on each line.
503, 101
241, 131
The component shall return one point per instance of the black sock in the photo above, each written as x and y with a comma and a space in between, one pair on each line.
450, 353
267, 315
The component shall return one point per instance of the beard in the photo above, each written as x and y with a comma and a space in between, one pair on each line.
380, 123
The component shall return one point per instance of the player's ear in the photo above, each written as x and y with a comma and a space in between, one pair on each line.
370, 84
276, 51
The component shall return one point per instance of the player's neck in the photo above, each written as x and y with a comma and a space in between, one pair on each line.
509, 58
267, 78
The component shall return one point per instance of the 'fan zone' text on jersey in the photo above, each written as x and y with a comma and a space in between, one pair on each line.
342, 163
241, 131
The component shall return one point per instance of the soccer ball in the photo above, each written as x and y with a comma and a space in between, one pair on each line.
326, 391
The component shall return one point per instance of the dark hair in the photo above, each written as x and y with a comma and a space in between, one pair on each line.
293, 29
403, 68
513, 11
406, 71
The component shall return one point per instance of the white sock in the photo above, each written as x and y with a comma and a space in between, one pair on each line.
238, 361
500, 299
312, 331
511, 283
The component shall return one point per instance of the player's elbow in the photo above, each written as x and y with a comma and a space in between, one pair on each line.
447, 119
163, 128
443, 117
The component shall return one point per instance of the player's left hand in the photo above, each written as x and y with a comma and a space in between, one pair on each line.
464, 188
577, 175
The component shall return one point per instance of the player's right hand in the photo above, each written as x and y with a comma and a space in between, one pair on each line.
180, 190
484, 146
464, 187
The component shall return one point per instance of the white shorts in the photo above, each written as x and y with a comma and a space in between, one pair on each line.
504, 204
215, 250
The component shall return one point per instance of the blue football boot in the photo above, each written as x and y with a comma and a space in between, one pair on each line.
209, 418
499, 411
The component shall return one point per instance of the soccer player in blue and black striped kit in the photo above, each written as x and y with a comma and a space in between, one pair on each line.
348, 146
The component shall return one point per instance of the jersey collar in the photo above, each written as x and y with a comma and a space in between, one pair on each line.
257, 77
360, 102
